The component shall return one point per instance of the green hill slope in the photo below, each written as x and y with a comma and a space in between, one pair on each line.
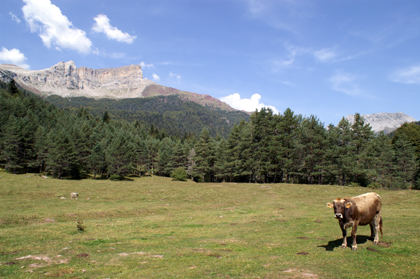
170, 113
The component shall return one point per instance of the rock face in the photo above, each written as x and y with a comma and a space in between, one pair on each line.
66, 80
386, 122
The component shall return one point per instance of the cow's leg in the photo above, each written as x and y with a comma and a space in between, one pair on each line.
372, 229
353, 235
376, 221
344, 245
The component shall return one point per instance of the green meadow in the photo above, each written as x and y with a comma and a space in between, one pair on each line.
153, 227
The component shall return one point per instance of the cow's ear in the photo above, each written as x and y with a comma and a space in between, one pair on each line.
348, 204
330, 205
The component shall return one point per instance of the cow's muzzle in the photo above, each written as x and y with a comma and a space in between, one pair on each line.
339, 216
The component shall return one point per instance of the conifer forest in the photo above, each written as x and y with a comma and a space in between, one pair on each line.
37, 136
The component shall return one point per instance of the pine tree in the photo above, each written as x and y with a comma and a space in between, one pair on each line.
345, 160
96, 159
382, 169
62, 155
405, 158
287, 128
221, 159
362, 134
106, 118
120, 154
205, 157
9, 144
178, 157
263, 136
152, 145
311, 147
41, 148
12, 88
163, 157
233, 153
412, 132
191, 163
246, 154
29, 125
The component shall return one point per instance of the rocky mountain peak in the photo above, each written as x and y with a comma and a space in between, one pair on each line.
386, 122
67, 68
66, 80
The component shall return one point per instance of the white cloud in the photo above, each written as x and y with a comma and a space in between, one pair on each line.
287, 15
102, 25
144, 65
14, 17
324, 54
155, 77
346, 83
53, 27
250, 105
410, 75
293, 52
173, 75
13, 56
291, 57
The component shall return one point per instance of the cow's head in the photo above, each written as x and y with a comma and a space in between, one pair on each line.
339, 205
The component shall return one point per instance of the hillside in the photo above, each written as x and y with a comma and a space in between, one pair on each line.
170, 113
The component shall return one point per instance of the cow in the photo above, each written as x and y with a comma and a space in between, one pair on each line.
74, 195
361, 210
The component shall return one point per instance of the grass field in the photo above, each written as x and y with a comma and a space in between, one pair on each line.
158, 228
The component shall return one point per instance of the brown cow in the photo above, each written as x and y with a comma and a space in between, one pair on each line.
361, 210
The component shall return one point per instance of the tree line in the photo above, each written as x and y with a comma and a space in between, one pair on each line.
36, 136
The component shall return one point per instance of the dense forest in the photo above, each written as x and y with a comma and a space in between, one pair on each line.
36, 136
169, 113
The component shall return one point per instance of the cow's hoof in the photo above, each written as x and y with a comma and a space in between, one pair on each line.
354, 248
344, 246
376, 242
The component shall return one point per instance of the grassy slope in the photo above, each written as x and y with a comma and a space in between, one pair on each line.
185, 230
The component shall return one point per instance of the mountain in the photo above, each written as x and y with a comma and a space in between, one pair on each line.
386, 122
66, 80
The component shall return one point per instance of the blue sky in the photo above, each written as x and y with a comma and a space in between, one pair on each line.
329, 58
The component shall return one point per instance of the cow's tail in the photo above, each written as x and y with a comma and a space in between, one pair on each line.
380, 226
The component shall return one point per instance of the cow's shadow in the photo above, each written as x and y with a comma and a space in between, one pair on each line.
361, 239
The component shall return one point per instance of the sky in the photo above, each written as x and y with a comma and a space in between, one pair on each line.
328, 58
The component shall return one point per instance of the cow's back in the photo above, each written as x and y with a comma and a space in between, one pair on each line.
368, 205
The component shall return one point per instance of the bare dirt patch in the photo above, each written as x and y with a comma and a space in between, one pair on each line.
384, 244
300, 273
9, 253
372, 250
83, 255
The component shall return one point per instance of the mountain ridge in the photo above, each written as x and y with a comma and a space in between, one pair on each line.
384, 121
66, 80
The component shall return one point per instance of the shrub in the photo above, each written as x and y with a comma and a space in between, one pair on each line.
354, 184
179, 174
80, 227
116, 177
374, 185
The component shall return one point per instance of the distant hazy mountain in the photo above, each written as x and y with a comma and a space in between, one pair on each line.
66, 80
386, 122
